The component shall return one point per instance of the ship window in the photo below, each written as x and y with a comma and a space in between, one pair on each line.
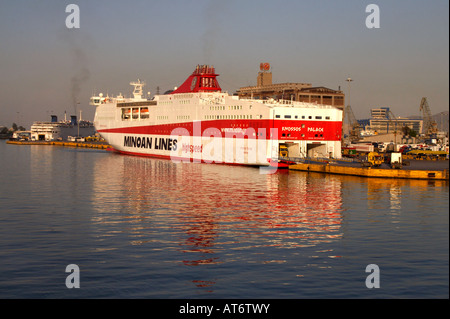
310, 117
144, 113
126, 113
327, 117
277, 116
296, 116
135, 113
303, 117
303, 125
287, 116
318, 117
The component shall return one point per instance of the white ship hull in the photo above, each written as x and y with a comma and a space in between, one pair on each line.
214, 127
52, 131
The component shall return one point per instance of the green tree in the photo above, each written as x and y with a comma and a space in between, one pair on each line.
407, 131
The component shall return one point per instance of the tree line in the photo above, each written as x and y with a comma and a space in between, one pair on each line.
10, 131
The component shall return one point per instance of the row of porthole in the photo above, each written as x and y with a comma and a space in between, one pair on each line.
228, 117
303, 135
318, 117
222, 107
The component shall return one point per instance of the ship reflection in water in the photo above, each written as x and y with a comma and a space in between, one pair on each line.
233, 219
214, 213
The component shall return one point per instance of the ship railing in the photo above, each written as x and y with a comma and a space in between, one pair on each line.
291, 103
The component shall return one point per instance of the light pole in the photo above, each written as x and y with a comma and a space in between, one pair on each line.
349, 80
347, 109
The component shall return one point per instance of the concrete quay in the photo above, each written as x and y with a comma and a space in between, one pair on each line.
97, 145
417, 170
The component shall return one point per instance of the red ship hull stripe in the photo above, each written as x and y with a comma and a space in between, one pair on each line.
295, 130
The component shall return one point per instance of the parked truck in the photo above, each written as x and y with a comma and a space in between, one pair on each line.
284, 151
373, 159
396, 160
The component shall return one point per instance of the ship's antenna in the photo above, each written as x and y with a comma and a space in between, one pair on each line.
137, 92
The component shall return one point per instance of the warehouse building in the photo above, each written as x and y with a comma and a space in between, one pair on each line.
302, 92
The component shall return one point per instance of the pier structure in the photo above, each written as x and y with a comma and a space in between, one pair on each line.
428, 174
63, 143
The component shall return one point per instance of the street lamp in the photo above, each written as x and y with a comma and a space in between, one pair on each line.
349, 80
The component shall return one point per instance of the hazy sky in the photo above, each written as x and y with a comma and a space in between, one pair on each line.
44, 65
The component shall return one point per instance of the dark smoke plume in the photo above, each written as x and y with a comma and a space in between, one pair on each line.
213, 15
81, 75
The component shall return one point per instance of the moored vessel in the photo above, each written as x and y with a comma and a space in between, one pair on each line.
199, 122
55, 130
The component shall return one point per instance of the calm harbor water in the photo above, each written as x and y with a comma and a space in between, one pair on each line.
148, 228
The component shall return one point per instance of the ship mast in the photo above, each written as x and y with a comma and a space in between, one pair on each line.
137, 92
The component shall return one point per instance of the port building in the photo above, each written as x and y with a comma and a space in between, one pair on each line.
301, 92
382, 121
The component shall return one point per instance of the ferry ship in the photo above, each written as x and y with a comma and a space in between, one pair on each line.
61, 130
198, 122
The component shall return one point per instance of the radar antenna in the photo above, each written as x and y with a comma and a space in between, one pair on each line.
137, 92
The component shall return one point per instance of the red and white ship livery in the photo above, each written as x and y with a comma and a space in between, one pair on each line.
198, 122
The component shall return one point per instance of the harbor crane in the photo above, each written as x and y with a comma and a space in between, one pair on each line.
429, 125
393, 122
355, 128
